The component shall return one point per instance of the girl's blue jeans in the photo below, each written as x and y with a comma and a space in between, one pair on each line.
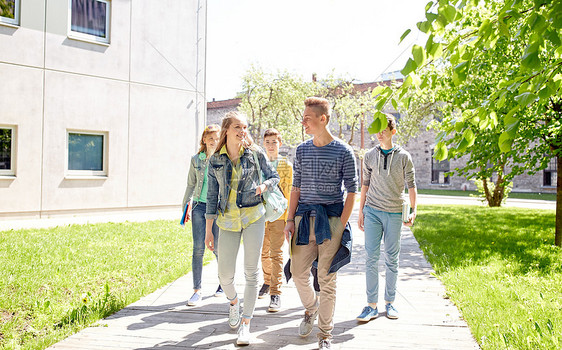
198, 227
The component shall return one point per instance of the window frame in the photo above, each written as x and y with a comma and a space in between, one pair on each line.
89, 37
12, 21
446, 178
80, 174
552, 171
13, 161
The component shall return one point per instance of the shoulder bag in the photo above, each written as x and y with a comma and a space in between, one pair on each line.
275, 202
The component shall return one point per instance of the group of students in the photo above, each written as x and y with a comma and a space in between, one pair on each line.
226, 181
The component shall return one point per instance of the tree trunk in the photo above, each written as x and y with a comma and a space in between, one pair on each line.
558, 229
486, 190
495, 198
499, 192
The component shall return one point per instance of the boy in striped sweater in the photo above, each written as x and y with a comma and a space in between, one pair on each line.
317, 216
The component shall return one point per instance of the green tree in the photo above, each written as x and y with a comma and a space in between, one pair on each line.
277, 100
7, 8
495, 70
5, 139
349, 105
274, 100
479, 139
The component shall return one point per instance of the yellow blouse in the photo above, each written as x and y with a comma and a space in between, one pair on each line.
235, 218
285, 171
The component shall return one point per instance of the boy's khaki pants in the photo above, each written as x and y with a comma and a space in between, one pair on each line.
301, 262
272, 256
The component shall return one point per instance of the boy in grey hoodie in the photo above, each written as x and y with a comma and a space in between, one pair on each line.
387, 169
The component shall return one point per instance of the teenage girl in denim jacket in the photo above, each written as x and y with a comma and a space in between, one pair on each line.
196, 190
234, 199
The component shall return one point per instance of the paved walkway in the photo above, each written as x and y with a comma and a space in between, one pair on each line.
162, 321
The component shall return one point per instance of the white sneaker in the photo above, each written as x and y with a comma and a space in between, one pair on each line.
234, 315
243, 334
195, 299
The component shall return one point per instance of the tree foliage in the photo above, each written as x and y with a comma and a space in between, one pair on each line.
5, 140
494, 71
277, 100
7, 8
274, 100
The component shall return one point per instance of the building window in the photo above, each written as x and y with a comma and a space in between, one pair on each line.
549, 174
438, 170
87, 153
10, 11
89, 20
7, 150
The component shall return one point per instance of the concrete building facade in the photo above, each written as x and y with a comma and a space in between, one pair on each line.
101, 104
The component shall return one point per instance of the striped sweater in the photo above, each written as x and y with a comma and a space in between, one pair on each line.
320, 172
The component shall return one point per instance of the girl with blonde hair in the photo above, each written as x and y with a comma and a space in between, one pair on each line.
235, 200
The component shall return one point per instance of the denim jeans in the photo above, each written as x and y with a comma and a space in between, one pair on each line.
229, 244
198, 226
382, 225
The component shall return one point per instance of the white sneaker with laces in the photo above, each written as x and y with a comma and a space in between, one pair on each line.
234, 315
195, 299
243, 334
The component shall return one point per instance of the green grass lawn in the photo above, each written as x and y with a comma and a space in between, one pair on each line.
54, 282
518, 195
502, 270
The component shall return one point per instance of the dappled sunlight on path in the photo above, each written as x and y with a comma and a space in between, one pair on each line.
162, 321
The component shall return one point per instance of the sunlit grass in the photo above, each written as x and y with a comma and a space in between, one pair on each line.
515, 195
54, 282
501, 268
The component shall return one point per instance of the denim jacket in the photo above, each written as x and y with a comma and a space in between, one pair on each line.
195, 177
322, 230
220, 175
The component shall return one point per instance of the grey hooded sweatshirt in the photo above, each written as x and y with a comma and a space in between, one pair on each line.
386, 176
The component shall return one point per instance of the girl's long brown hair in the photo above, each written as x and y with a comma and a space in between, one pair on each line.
226, 122
208, 130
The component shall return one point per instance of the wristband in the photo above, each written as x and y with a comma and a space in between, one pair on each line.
292, 220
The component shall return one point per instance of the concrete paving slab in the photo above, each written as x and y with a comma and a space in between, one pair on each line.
162, 321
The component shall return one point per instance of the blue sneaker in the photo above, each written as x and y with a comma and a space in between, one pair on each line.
219, 292
391, 312
368, 314
195, 299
